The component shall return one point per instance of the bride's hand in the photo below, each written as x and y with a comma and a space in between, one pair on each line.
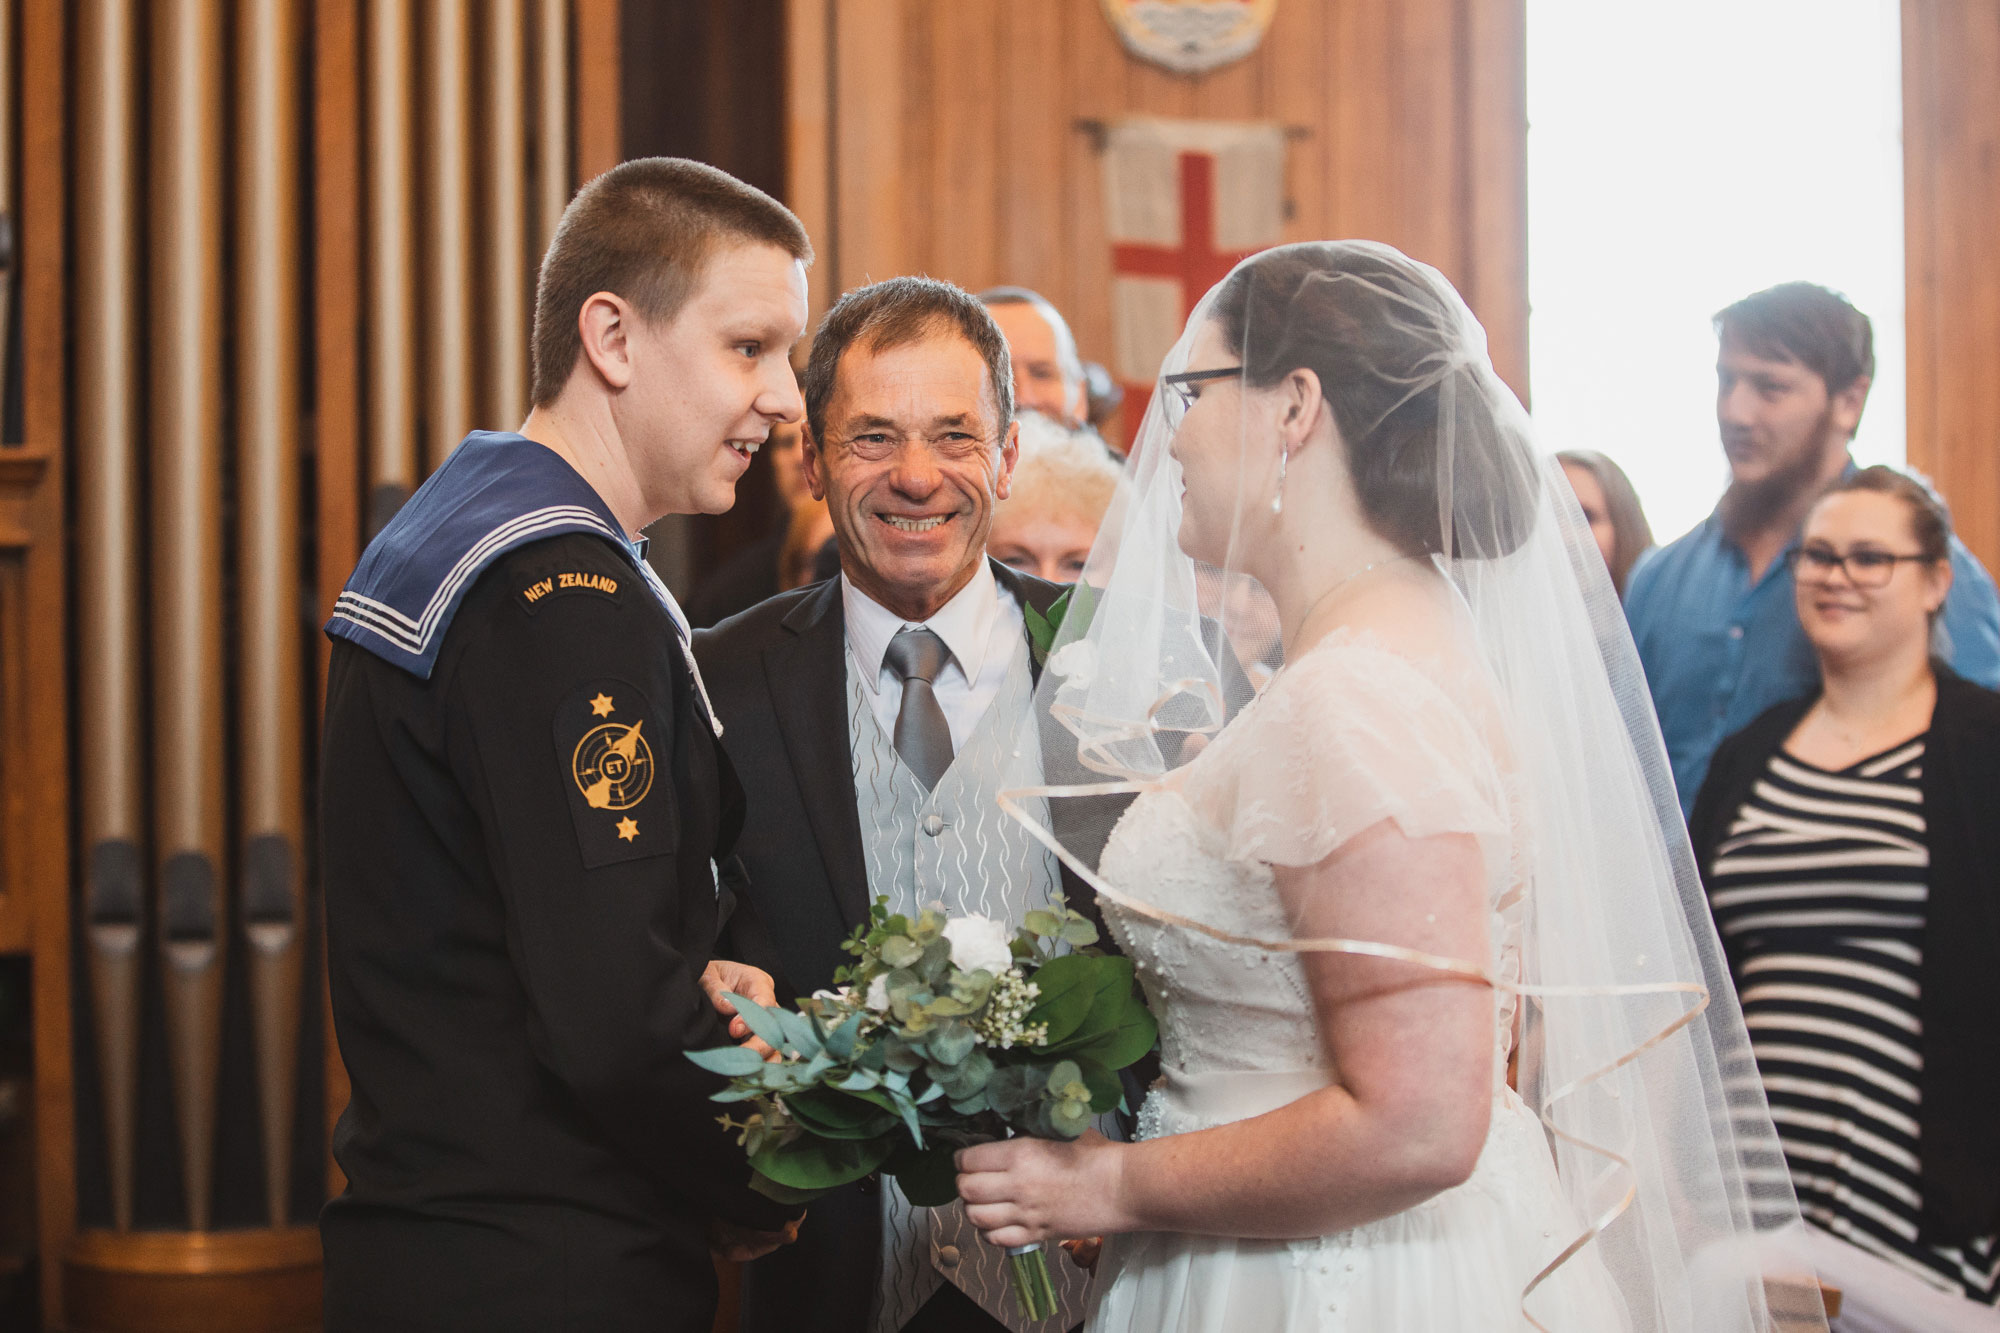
1024, 1191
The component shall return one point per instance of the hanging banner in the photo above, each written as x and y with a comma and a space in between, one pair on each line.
1190, 36
1184, 200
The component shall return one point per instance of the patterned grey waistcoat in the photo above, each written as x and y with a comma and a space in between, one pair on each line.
953, 846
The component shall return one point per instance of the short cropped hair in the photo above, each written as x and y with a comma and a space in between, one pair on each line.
896, 312
1806, 323
643, 231
1065, 338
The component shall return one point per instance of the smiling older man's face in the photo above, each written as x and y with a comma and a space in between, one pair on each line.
913, 460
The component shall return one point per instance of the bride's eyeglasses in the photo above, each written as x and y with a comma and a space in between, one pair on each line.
1180, 389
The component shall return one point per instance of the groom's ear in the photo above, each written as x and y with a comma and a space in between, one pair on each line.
605, 325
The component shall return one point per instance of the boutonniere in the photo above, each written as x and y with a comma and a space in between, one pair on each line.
1043, 627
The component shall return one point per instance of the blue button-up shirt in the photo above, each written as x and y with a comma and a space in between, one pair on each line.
1719, 648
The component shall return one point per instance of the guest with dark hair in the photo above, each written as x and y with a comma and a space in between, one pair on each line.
1849, 849
1712, 612
1611, 507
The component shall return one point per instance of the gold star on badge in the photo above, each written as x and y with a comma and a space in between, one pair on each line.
628, 828
601, 705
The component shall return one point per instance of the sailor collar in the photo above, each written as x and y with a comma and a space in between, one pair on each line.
497, 491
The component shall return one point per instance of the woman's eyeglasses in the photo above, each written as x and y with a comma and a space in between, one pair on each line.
1864, 568
1180, 394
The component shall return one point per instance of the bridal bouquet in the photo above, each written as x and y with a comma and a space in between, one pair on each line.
942, 1033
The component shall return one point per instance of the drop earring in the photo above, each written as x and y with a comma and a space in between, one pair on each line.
1278, 496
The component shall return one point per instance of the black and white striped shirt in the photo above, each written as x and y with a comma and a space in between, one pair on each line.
1820, 889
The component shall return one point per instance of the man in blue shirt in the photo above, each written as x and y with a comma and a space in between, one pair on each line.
1712, 613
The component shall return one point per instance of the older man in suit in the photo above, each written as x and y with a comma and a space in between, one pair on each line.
874, 717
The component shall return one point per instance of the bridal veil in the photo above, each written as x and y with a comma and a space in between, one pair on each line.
1632, 1050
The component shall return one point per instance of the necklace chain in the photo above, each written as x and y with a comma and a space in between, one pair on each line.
1347, 579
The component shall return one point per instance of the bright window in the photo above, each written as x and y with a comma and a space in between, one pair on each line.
1679, 157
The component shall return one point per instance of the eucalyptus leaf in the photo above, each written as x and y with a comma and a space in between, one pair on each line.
729, 1061
1043, 923
766, 1024
859, 1079
951, 1043
1069, 1118
839, 1043
800, 1034
1079, 933
901, 951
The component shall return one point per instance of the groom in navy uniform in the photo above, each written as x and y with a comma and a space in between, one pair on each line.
527, 819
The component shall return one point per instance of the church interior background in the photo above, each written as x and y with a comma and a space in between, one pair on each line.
263, 261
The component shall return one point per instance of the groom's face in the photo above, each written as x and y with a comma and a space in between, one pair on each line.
707, 386
913, 460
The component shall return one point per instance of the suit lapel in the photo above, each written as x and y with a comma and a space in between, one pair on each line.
1028, 591
808, 673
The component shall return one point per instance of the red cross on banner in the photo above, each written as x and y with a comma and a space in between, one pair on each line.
1184, 202
1195, 262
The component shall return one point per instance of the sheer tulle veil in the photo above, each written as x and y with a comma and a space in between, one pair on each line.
1632, 1048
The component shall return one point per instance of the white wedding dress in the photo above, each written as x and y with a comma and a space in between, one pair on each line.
1348, 734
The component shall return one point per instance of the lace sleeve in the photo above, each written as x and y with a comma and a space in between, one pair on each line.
1347, 736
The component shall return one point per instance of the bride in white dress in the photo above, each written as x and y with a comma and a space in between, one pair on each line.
1418, 922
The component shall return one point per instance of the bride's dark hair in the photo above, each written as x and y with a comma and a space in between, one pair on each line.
1400, 364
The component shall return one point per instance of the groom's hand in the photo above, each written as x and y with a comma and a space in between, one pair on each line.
722, 978
740, 1244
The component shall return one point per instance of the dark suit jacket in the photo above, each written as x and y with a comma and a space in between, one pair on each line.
778, 676
1958, 1153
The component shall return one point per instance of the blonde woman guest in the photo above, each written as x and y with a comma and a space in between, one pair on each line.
1611, 507
1062, 486
1849, 848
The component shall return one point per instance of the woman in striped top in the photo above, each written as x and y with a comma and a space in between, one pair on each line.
1847, 842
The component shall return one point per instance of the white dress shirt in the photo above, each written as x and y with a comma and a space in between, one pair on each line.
981, 627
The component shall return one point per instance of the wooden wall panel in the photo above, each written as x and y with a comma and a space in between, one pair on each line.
955, 148
1951, 163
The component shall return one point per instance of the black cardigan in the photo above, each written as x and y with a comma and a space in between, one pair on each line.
1958, 1143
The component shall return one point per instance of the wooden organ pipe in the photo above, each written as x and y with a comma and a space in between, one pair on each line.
110, 718
447, 266
552, 187
10, 229
270, 777
506, 322
391, 375
188, 790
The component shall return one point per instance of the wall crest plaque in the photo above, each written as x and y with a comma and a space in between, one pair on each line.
1190, 36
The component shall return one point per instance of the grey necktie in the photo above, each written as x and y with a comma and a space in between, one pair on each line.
923, 737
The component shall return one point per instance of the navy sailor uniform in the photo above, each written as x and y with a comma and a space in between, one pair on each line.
523, 809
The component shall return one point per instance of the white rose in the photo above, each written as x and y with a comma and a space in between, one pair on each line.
878, 994
1076, 662
978, 944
